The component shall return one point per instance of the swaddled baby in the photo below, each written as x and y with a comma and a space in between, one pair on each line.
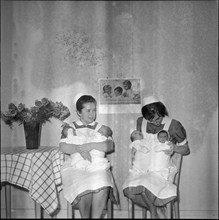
147, 153
82, 136
160, 160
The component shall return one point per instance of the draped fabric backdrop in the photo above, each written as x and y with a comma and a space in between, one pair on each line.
60, 49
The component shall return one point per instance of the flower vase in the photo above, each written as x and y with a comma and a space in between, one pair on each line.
32, 133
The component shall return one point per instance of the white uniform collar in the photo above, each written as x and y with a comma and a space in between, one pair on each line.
165, 120
79, 122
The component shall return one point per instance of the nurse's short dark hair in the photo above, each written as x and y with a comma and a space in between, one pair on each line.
149, 111
83, 100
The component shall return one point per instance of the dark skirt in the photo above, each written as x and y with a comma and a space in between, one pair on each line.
130, 192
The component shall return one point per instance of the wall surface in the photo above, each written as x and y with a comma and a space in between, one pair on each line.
60, 49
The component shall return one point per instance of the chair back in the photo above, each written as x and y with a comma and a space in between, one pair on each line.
177, 160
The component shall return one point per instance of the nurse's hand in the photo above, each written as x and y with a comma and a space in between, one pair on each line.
85, 154
170, 151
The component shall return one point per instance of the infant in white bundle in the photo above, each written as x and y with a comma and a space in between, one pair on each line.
85, 135
147, 153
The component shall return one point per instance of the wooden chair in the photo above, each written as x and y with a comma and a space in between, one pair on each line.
173, 206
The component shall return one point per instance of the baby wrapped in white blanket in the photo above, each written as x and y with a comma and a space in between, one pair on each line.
148, 152
86, 135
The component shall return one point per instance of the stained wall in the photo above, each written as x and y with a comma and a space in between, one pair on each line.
60, 49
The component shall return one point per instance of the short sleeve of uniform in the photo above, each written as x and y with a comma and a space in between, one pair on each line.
177, 132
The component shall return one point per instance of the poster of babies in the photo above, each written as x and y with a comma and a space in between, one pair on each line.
120, 91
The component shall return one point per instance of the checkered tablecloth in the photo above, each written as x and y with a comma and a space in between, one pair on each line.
38, 171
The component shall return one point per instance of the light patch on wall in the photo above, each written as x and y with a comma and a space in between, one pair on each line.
110, 109
124, 18
132, 121
70, 94
132, 125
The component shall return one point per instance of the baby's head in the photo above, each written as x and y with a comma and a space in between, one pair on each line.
107, 89
105, 131
163, 136
118, 90
65, 130
136, 135
127, 84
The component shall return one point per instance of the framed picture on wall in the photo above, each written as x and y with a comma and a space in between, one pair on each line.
119, 93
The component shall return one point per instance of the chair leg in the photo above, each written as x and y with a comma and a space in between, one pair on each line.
109, 209
8, 200
54, 216
133, 209
73, 212
38, 210
173, 212
129, 208
70, 211
176, 207
168, 210
144, 213
41, 212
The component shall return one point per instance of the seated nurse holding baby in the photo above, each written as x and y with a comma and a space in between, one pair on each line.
156, 139
87, 179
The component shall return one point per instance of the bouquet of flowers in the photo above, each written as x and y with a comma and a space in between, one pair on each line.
42, 112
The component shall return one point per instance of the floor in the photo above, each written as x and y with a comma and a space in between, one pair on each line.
123, 214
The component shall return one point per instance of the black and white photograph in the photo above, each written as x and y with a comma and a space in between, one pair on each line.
109, 109
120, 91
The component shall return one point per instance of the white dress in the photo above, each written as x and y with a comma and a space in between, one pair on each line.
156, 171
87, 177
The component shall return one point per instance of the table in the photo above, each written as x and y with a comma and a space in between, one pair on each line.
36, 170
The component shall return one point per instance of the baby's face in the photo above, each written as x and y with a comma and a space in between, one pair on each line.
117, 93
137, 135
163, 137
105, 131
126, 85
108, 90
